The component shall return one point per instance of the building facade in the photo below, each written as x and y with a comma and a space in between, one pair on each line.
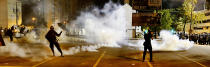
201, 27
145, 12
10, 13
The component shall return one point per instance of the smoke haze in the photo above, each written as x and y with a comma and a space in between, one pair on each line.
105, 27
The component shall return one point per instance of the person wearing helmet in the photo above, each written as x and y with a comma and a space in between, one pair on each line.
51, 37
147, 44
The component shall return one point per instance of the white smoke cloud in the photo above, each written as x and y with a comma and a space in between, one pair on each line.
33, 52
11, 49
106, 25
107, 28
172, 42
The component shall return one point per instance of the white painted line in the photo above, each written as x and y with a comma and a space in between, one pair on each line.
43, 62
192, 60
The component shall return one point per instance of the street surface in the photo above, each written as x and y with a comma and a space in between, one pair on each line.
198, 56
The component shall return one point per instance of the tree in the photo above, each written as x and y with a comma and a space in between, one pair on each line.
190, 15
188, 7
166, 19
177, 22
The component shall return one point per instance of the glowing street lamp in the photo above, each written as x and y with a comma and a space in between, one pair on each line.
33, 19
64, 22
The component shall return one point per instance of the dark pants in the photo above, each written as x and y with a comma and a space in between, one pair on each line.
149, 47
52, 43
11, 38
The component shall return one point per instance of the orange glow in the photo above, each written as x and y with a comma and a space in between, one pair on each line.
33, 18
64, 22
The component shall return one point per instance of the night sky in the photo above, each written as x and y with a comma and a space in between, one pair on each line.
178, 3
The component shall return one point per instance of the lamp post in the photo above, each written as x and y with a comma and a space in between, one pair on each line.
16, 12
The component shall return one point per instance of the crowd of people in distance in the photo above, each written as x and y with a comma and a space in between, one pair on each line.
13, 31
201, 39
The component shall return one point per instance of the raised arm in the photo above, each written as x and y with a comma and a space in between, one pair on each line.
57, 33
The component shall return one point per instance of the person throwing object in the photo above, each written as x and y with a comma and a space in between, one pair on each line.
51, 37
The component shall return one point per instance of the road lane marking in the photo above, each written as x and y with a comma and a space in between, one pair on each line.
148, 62
150, 65
192, 60
43, 62
99, 59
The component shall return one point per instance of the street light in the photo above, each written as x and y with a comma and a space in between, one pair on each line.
33, 19
64, 22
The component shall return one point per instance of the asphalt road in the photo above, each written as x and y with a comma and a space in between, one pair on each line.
198, 56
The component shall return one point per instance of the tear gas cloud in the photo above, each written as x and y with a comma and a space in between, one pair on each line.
167, 42
34, 52
107, 27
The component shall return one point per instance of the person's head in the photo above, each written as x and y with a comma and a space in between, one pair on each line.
149, 31
145, 31
51, 28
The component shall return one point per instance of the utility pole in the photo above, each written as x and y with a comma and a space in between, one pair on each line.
204, 8
190, 24
54, 6
43, 11
184, 24
191, 18
16, 13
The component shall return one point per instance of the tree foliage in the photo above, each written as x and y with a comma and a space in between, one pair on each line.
166, 19
178, 23
188, 7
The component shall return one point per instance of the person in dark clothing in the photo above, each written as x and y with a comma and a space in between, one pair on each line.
13, 27
2, 43
147, 45
10, 34
5, 32
51, 37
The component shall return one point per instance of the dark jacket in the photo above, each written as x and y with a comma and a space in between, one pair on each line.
9, 32
1, 41
51, 35
147, 38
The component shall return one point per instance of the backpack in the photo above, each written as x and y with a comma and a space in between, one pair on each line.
48, 36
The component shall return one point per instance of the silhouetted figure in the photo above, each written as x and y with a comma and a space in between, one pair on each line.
10, 34
51, 37
5, 32
1, 41
147, 44
22, 30
13, 27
